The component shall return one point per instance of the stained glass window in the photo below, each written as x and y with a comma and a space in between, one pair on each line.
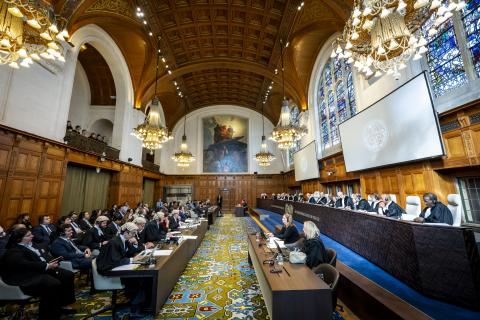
295, 120
444, 58
471, 22
336, 100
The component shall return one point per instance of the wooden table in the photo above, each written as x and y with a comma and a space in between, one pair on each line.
442, 262
167, 269
239, 212
300, 295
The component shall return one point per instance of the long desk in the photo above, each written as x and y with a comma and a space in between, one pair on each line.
300, 295
440, 261
167, 269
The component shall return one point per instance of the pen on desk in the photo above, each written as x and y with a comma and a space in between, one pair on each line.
286, 271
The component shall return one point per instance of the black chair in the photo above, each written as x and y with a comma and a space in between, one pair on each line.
330, 275
332, 257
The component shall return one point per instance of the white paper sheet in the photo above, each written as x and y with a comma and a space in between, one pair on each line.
162, 253
272, 245
189, 237
126, 267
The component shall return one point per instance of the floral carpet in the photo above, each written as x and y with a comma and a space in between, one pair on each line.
218, 283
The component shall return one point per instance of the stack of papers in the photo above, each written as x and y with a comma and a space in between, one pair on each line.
126, 267
271, 244
189, 237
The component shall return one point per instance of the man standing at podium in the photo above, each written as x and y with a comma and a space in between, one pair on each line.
219, 204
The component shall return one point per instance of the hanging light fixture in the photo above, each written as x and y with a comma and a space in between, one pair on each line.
151, 131
381, 35
264, 157
183, 158
286, 133
28, 32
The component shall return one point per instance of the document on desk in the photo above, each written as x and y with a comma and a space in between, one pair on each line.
162, 253
271, 244
189, 237
126, 267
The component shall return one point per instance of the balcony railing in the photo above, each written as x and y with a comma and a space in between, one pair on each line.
78, 141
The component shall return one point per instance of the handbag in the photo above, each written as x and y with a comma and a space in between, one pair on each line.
297, 257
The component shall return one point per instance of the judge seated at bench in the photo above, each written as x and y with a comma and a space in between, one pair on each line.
359, 203
389, 208
434, 211
343, 201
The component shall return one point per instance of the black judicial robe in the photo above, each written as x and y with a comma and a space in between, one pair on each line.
114, 254
347, 202
393, 210
438, 214
111, 231
315, 251
312, 200
154, 232
323, 200
93, 239
363, 205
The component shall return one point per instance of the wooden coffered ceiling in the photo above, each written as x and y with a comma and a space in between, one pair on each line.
219, 51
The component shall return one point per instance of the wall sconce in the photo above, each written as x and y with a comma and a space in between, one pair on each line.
331, 173
102, 157
97, 169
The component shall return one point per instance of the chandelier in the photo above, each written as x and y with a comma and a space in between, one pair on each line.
380, 35
264, 157
285, 134
151, 131
28, 32
184, 157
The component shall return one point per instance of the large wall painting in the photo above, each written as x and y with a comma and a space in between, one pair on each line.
225, 144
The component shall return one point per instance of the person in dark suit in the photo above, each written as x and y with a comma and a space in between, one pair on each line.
140, 235
219, 204
118, 252
288, 233
389, 208
95, 237
313, 246
155, 230
25, 266
63, 246
24, 219
174, 219
3, 241
360, 204
343, 201
83, 221
44, 233
434, 211
376, 203
113, 229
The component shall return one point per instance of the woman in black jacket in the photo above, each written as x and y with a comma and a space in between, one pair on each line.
313, 246
288, 233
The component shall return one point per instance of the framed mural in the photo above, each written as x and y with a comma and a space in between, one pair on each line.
225, 144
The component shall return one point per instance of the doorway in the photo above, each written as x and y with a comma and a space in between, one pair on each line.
227, 204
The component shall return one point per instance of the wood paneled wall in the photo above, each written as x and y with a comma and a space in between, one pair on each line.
240, 187
33, 169
31, 176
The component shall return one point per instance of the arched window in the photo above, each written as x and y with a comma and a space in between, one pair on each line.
452, 59
295, 120
335, 100
445, 61
471, 23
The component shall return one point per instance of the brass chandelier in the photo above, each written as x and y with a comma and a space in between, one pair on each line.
29, 32
151, 131
183, 158
264, 157
285, 134
381, 35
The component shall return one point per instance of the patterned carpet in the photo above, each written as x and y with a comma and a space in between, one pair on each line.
218, 283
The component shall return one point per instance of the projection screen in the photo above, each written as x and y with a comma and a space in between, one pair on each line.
401, 127
306, 163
